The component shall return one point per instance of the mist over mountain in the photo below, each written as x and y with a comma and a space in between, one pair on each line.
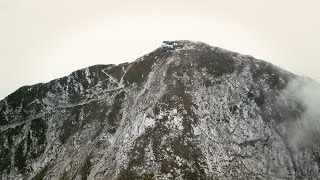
187, 110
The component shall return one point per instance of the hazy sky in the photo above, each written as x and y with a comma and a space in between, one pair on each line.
41, 40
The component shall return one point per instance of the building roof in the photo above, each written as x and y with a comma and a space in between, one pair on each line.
168, 42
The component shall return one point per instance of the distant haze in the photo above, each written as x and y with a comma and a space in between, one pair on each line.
41, 40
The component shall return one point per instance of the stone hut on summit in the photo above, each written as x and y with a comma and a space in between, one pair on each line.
168, 45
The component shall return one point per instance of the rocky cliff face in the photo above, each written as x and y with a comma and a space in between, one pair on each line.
198, 112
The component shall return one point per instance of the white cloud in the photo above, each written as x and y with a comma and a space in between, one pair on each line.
307, 93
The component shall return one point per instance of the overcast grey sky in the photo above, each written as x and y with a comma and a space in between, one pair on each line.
41, 40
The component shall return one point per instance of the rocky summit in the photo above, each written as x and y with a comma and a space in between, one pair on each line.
191, 112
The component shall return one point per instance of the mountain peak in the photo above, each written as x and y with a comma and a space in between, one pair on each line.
184, 111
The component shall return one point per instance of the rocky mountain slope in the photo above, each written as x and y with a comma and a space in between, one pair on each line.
197, 112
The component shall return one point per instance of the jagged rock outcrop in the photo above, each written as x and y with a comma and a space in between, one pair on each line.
197, 112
